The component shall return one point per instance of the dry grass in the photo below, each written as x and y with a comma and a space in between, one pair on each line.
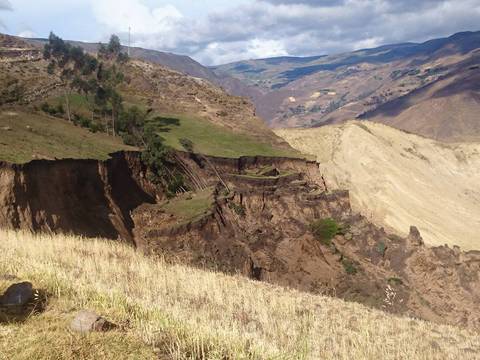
183, 313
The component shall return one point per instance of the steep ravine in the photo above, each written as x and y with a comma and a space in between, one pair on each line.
257, 224
84, 197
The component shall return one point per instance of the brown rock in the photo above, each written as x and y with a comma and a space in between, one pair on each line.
88, 321
415, 237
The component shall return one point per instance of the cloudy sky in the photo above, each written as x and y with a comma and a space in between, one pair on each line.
221, 31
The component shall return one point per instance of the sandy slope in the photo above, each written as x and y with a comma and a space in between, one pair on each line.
399, 179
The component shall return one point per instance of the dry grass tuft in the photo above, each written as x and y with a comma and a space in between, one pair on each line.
172, 311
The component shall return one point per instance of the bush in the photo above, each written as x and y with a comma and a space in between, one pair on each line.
381, 248
45, 107
187, 144
81, 121
175, 184
238, 208
59, 109
349, 267
95, 127
324, 230
52, 110
395, 281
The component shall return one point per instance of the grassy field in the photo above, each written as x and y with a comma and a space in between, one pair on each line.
215, 140
175, 312
208, 138
79, 104
26, 136
190, 205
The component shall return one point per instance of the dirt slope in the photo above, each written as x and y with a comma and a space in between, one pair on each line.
398, 179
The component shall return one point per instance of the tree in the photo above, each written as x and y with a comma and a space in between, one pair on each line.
72, 65
112, 51
114, 47
109, 79
130, 125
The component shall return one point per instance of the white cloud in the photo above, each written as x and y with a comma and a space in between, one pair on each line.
5, 5
368, 43
265, 28
150, 26
27, 34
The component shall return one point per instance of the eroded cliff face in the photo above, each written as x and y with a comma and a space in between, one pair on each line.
259, 226
84, 197
255, 222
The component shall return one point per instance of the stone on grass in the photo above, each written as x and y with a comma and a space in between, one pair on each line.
18, 295
21, 301
88, 321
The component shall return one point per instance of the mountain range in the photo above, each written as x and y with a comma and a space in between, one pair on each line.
431, 89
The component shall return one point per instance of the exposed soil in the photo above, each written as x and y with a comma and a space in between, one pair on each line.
257, 225
84, 197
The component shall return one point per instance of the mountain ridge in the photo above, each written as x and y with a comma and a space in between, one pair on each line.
359, 84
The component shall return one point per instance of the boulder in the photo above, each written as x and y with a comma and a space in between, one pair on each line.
20, 301
88, 321
414, 237
18, 295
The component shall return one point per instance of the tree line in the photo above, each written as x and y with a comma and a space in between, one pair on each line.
97, 78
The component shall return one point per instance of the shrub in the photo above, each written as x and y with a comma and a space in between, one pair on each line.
81, 121
324, 230
187, 144
238, 208
349, 267
59, 109
395, 281
381, 248
175, 185
45, 107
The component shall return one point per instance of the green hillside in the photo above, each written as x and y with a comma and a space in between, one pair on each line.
26, 136
215, 140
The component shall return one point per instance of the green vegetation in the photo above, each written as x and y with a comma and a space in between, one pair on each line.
71, 64
92, 99
12, 90
25, 136
395, 281
349, 267
381, 248
325, 230
215, 140
189, 206
238, 208
97, 79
